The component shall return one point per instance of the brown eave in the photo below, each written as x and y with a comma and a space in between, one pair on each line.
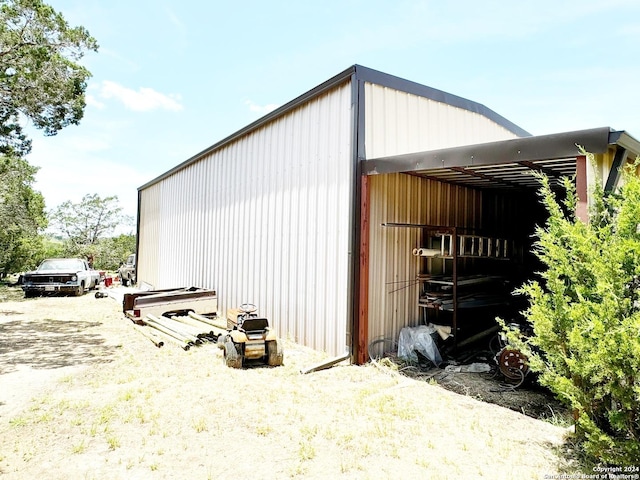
507, 163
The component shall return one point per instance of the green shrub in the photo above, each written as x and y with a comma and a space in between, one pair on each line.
585, 312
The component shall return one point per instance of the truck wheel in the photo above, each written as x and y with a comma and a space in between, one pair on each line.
124, 282
231, 356
275, 353
80, 290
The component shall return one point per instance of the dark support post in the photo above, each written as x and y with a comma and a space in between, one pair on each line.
454, 252
614, 174
582, 207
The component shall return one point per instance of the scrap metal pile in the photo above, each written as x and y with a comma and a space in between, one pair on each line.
185, 331
187, 317
182, 316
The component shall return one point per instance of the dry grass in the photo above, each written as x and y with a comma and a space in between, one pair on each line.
113, 406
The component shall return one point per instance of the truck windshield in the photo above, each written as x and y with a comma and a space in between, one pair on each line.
70, 264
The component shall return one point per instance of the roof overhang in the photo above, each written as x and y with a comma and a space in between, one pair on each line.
507, 163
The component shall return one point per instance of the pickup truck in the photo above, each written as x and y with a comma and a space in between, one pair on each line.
60, 275
127, 271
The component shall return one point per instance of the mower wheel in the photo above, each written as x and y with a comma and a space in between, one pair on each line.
275, 353
231, 356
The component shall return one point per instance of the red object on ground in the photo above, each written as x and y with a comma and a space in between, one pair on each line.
108, 281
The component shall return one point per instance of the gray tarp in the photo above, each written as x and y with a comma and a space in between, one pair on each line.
418, 339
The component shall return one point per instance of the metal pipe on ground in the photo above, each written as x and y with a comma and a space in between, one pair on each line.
171, 325
173, 322
222, 325
150, 320
202, 328
326, 364
174, 340
156, 341
181, 327
206, 325
478, 336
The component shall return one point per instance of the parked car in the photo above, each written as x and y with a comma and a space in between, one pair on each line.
60, 275
127, 271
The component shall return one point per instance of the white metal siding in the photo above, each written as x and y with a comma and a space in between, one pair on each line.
264, 219
150, 234
398, 122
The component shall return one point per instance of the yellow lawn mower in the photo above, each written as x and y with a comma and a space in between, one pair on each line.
249, 339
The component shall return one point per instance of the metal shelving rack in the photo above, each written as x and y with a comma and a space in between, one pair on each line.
449, 246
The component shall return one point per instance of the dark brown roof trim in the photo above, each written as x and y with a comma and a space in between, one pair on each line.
296, 102
361, 74
558, 145
397, 83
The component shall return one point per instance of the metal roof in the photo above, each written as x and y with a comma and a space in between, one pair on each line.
507, 164
356, 74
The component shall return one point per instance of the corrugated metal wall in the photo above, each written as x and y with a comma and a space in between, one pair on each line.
264, 219
401, 198
148, 262
398, 122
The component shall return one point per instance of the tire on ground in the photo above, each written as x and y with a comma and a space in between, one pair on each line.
231, 356
274, 353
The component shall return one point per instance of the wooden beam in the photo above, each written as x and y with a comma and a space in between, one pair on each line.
362, 327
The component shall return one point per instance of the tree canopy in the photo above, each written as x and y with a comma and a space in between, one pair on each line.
113, 251
585, 313
22, 215
87, 227
39, 74
90, 220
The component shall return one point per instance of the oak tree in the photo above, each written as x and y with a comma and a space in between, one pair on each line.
40, 77
85, 223
22, 216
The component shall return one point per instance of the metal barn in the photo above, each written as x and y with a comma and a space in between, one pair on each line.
313, 211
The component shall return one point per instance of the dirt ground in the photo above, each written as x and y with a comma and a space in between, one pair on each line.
83, 395
526, 397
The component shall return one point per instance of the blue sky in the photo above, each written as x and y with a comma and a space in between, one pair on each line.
172, 78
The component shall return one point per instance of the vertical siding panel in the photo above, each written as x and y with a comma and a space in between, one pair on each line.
264, 219
149, 208
206, 225
398, 122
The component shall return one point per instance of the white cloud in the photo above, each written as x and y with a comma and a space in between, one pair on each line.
73, 166
261, 109
105, 180
93, 102
143, 100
